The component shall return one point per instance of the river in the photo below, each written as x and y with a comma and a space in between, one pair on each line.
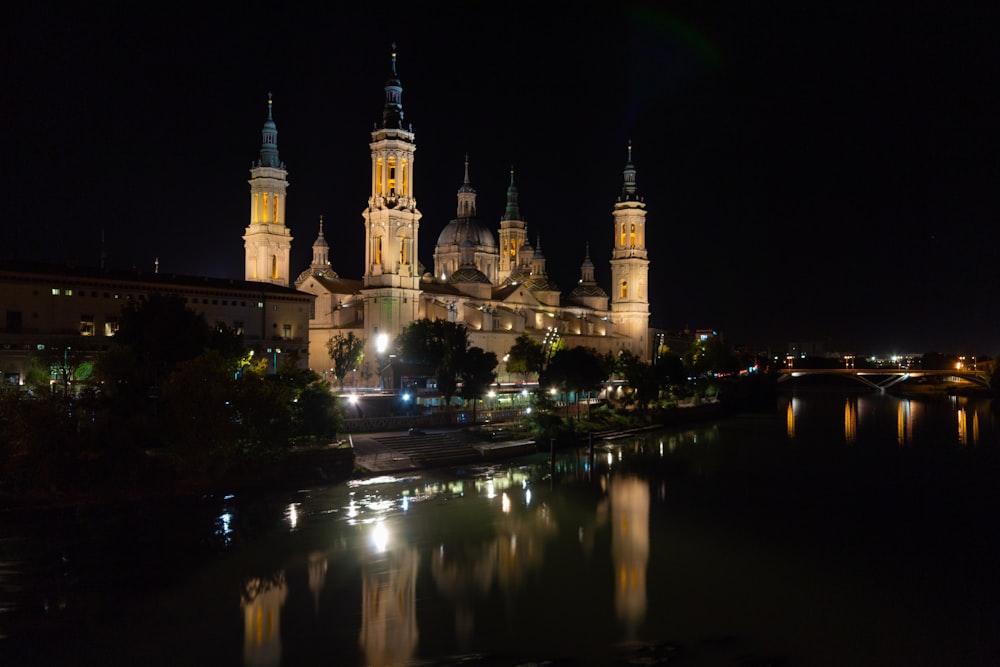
837, 529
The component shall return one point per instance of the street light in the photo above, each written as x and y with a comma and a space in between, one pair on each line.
381, 343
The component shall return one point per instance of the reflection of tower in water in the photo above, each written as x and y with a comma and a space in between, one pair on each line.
388, 608
630, 547
317, 576
262, 600
967, 433
850, 420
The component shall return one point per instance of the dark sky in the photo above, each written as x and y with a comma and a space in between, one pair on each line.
812, 172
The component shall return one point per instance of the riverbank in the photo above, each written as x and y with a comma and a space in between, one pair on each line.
351, 455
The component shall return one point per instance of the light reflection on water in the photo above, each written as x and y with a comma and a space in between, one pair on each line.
718, 541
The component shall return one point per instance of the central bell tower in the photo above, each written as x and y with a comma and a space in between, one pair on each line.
392, 222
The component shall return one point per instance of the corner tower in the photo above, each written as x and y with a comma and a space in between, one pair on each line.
630, 265
513, 233
267, 241
392, 222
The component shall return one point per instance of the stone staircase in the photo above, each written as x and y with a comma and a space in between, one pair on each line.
433, 449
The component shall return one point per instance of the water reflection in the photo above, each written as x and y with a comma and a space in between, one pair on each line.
261, 601
447, 564
904, 422
388, 603
850, 420
317, 567
629, 498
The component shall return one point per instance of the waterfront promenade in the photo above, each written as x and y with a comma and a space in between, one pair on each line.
399, 451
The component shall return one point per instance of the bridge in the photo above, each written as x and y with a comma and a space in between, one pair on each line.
883, 378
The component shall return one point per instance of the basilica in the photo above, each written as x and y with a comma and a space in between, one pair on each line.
487, 277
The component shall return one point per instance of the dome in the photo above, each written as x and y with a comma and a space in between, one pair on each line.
587, 290
468, 274
540, 283
460, 230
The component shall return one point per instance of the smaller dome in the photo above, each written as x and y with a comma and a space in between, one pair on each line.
588, 289
540, 283
468, 274
518, 275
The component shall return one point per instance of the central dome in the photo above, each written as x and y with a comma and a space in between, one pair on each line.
460, 230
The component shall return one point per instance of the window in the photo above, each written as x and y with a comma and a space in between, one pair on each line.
69, 292
55, 291
392, 176
238, 327
86, 325
632, 236
624, 289
286, 331
378, 249
402, 250
622, 242
110, 325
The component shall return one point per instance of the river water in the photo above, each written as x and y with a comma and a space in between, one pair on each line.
837, 529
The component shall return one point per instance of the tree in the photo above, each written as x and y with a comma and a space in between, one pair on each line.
711, 356
478, 373
347, 353
315, 412
643, 379
526, 356
579, 370
199, 428
154, 335
438, 344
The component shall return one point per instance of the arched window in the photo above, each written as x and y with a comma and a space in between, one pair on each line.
406, 177
402, 250
632, 236
378, 176
274, 216
274, 267
624, 289
264, 212
378, 249
392, 176
622, 242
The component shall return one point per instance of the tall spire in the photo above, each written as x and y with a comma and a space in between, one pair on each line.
269, 140
629, 188
587, 268
466, 195
513, 211
392, 113
321, 249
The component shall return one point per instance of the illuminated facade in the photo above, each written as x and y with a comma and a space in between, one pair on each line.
494, 283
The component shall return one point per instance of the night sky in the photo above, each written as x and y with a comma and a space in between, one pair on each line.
812, 173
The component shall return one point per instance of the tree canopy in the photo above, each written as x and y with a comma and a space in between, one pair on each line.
526, 356
437, 344
347, 353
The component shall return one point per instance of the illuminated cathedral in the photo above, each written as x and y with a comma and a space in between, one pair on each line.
489, 278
